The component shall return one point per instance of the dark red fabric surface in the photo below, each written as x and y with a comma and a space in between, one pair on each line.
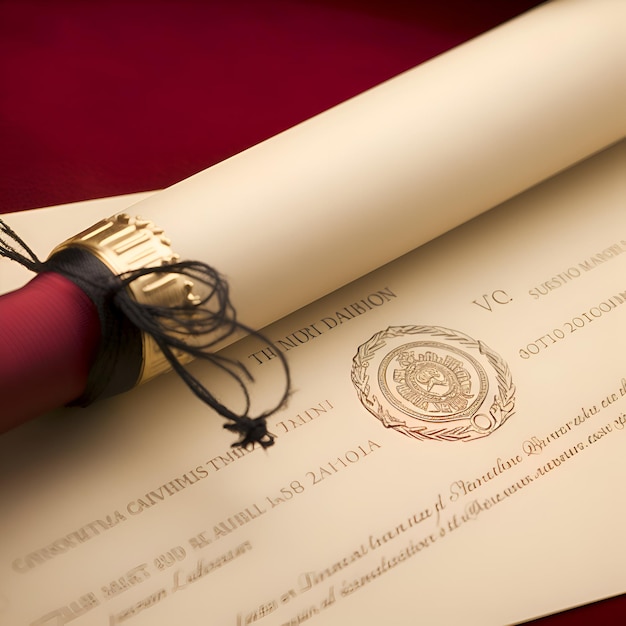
101, 98
611, 612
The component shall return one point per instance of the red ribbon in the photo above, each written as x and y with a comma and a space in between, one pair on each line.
49, 333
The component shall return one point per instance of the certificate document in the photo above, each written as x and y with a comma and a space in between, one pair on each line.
452, 451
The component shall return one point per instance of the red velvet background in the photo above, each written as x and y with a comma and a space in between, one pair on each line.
107, 97
102, 98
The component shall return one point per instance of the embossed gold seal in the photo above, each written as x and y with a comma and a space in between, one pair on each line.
124, 243
434, 383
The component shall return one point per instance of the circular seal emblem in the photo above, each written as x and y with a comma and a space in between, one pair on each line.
429, 382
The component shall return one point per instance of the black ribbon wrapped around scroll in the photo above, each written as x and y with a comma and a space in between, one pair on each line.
191, 329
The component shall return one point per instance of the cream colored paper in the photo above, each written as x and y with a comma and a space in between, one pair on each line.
137, 511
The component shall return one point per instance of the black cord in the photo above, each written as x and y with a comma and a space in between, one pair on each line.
194, 330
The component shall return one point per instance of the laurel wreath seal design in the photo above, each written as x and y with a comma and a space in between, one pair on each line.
478, 425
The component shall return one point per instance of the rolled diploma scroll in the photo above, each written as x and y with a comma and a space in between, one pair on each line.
327, 201
343, 193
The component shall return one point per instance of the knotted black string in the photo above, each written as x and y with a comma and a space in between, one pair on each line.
25, 257
193, 328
